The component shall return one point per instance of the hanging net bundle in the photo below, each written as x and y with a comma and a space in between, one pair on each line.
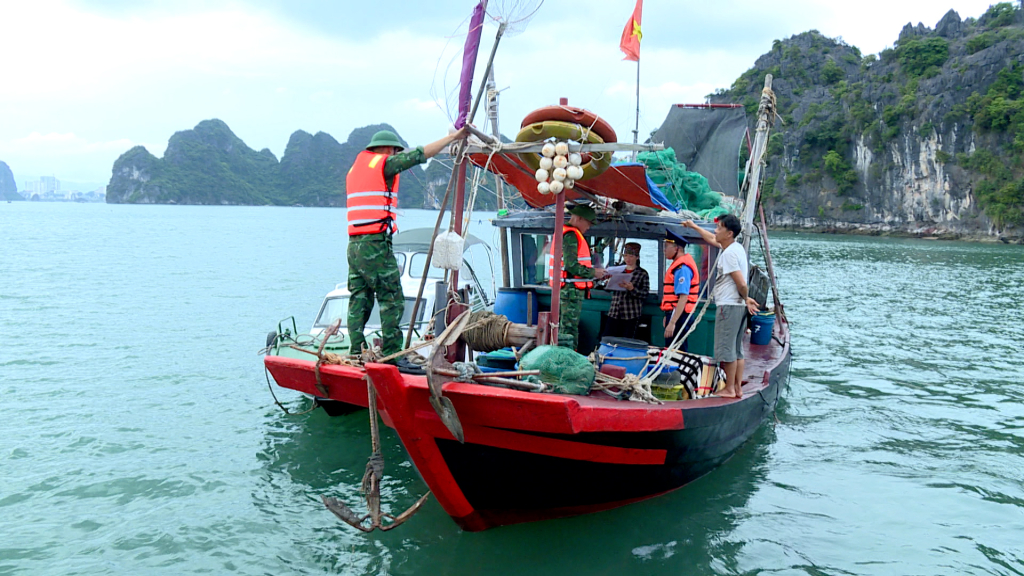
687, 190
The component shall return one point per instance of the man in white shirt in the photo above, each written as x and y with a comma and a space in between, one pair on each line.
731, 300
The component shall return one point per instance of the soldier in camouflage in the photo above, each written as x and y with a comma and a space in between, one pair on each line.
571, 299
372, 270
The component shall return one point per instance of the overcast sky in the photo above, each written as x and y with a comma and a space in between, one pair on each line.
82, 81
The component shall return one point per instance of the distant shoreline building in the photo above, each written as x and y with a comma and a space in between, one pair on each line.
48, 189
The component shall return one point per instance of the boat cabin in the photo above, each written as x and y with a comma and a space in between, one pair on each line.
530, 238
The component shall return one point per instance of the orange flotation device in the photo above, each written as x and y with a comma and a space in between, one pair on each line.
572, 115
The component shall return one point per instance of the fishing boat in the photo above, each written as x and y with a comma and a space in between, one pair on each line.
499, 448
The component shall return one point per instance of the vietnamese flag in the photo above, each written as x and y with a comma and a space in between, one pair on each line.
631, 35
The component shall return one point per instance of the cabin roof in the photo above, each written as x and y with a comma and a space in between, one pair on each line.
624, 226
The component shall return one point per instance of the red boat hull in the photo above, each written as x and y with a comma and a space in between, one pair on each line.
530, 456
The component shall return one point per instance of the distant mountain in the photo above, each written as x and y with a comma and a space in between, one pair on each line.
8, 188
925, 138
210, 165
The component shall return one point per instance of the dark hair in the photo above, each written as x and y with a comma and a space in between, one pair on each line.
730, 223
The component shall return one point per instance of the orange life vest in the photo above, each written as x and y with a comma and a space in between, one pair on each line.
372, 206
582, 255
670, 299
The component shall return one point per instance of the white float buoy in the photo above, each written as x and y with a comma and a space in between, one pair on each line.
448, 251
560, 162
541, 175
575, 159
548, 150
546, 163
559, 174
570, 183
543, 188
561, 148
556, 187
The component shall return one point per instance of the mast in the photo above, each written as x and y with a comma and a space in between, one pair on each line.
636, 125
752, 181
492, 115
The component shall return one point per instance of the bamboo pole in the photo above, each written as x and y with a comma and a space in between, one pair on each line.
766, 113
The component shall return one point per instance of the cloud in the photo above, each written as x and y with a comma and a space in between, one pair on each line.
113, 73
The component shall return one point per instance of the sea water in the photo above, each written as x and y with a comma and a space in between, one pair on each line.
138, 434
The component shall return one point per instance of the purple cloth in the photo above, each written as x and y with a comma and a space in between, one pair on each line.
476, 26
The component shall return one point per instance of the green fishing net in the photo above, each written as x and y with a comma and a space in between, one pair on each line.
567, 371
687, 190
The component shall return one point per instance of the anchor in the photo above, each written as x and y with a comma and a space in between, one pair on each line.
436, 369
371, 485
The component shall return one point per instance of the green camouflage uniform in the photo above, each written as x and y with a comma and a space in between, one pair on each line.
373, 273
571, 305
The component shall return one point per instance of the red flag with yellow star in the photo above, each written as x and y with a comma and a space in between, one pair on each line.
631, 35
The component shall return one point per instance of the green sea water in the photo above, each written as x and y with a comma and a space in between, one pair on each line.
137, 434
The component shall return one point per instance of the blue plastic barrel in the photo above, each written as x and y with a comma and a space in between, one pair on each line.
513, 303
761, 328
628, 353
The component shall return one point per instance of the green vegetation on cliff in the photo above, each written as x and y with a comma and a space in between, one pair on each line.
945, 104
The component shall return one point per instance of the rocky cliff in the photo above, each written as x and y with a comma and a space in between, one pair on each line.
210, 165
8, 187
924, 138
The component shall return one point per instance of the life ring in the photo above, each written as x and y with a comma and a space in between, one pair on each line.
540, 131
573, 115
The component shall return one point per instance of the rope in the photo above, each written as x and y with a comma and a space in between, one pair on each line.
315, 405
466, 371
639, 388
487, 331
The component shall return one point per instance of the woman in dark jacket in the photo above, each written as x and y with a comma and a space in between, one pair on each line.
628, 300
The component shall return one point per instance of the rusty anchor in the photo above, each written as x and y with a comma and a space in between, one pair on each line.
371, 485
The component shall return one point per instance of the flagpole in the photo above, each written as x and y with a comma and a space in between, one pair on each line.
636, 126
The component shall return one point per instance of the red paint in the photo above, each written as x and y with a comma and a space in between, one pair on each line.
626, 182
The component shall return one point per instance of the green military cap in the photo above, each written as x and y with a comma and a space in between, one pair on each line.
585, 212
385, 138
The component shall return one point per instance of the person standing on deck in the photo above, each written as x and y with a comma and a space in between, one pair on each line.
372, 189
578, 274
681, 277
731, 300
627, 304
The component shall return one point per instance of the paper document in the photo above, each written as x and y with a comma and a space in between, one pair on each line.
618, 277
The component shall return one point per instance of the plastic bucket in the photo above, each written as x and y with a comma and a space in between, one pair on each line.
625, 352
761, 328
514, 303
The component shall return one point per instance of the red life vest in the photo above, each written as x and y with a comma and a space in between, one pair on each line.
372, 206
670, 299
582, 255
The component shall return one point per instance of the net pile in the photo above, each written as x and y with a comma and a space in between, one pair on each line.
687, 190
565, 370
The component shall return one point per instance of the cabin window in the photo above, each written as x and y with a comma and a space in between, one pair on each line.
416, 267
536, 248
335, 308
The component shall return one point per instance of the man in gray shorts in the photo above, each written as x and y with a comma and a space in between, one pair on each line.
731, 300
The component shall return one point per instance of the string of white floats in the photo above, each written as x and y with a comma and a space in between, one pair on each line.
558, 168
